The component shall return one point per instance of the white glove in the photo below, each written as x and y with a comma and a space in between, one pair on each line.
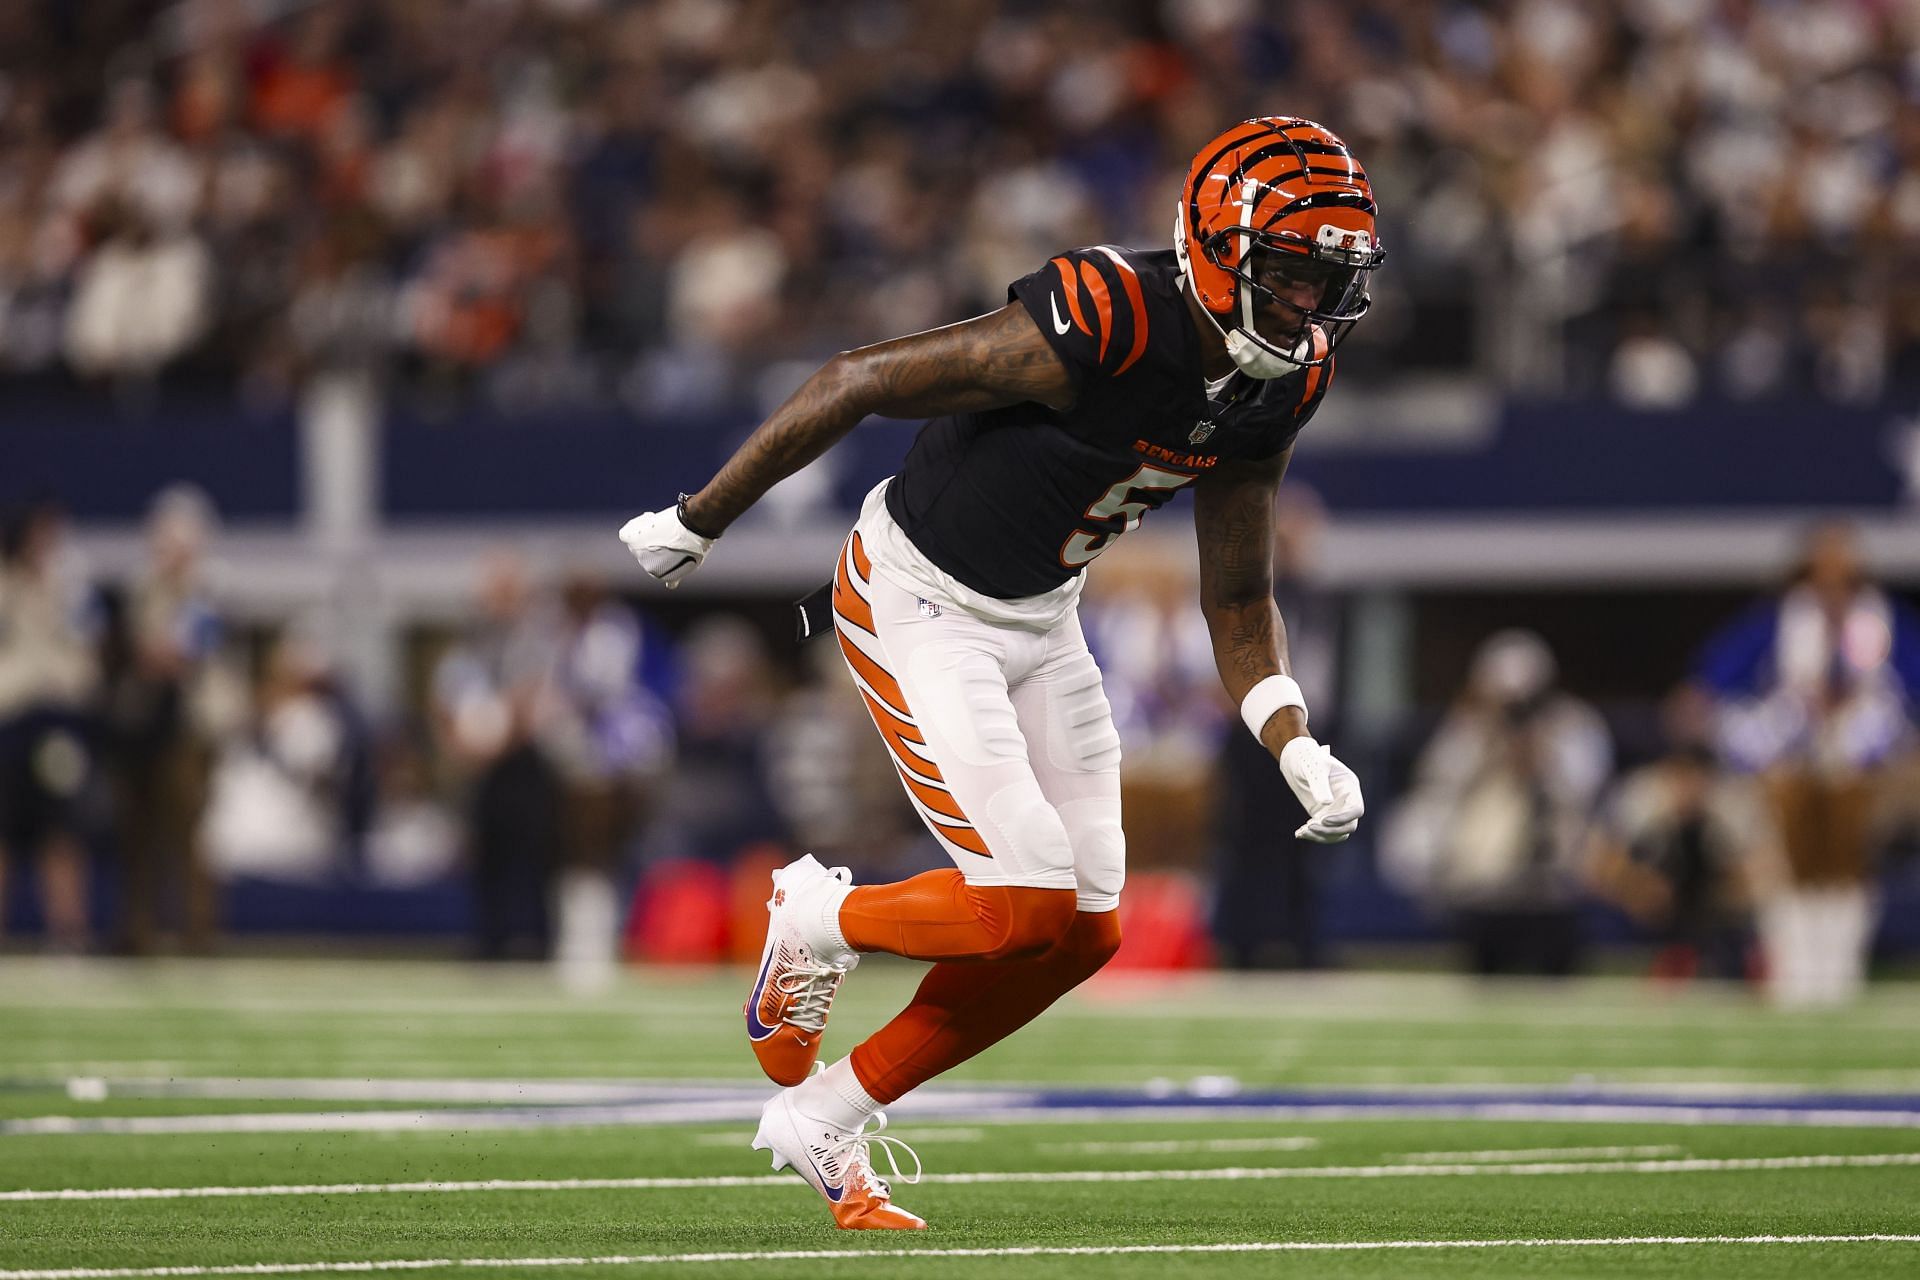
664, 547
1327, 789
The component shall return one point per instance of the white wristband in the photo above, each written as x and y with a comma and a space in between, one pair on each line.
1267, 697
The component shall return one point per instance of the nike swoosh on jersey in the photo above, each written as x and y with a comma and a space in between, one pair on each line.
1059, 325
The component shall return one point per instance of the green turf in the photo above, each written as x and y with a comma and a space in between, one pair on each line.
421, 1021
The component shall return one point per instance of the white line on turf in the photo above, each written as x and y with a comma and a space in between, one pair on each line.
742, 1138
1179, 1145
1536, 1153
1231, 1174
1018, 1251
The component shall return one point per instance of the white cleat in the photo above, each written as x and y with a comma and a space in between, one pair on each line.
800, 968
839, 1164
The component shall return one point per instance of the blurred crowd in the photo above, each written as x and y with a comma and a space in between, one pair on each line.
550, 204
581, 774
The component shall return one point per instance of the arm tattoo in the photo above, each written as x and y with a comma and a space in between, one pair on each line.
1233, 516
986, 363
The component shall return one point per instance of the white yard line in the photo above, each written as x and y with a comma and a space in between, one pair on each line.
1175, 1146
1537, 1153
1027, 1251
1534, 1170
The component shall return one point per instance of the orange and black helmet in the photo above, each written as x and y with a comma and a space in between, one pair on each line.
1278, 199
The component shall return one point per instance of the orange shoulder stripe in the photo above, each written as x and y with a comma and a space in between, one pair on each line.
1130, 281
861, 565
1072, 291
1102, 303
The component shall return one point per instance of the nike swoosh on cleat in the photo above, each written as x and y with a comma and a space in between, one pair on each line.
1059, 325
830, 1191
756, 1029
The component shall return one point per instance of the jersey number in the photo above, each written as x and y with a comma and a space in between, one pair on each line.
1119, 503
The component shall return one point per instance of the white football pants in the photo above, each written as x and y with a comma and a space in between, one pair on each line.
1001, 734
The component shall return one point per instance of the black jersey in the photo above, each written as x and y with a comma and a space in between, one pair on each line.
1015, 501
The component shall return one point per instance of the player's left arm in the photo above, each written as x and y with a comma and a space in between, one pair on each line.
1233, 518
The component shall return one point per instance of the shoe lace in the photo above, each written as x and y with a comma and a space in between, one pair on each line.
859, 1164
809, 990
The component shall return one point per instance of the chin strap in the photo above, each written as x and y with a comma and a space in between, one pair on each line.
1255, 359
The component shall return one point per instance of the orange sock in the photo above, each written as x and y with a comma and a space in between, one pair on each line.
961, 1009
939, 916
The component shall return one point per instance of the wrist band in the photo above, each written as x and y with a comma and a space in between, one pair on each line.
680, 509
1267, 697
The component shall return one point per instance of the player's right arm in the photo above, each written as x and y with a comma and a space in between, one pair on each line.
989, 362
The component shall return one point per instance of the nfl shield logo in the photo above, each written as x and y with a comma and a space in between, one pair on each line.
1201, 430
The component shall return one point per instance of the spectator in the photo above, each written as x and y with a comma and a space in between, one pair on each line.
1815, 693
1160, 678
139, 301
611, 738
1687, 848
48, 678
164, 715
1491, 832
283, 796
724, 707
783, 177
489, 695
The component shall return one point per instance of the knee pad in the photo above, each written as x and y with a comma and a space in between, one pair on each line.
1099, 852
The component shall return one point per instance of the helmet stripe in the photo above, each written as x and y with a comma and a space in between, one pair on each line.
1320, 200
1201, 172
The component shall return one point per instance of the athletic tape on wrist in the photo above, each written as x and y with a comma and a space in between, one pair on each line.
1267, 697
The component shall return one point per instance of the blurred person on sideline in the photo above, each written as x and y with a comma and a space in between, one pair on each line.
610, 737
1687, 848
167, 704
49, 677
1491, 832
1266, 909
1157, 668
488, 696
724, 704
1815, 691
283, 797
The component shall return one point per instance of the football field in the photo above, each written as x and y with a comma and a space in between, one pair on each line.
267, 1118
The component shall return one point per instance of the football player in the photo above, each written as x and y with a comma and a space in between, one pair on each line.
1111, 380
